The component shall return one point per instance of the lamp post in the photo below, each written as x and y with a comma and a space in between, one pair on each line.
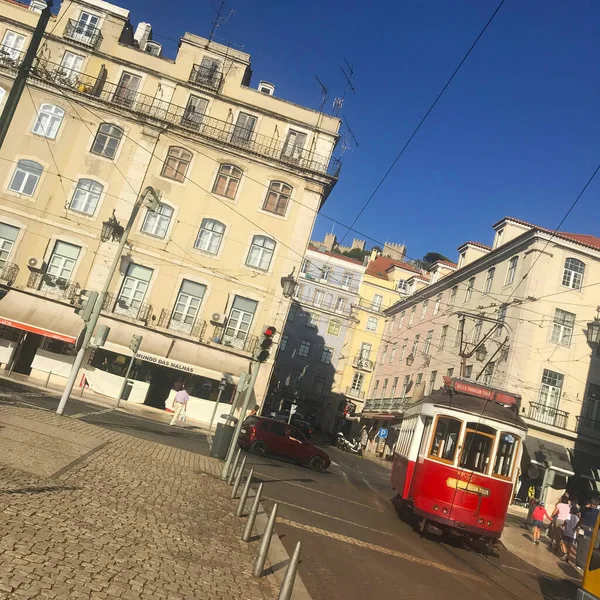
410, 359
111, 229
593, 331
481, 353
289, 284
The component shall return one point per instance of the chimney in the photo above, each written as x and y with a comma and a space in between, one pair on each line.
143, 33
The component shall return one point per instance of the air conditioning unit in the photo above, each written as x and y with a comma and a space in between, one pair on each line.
35, 264
218, 319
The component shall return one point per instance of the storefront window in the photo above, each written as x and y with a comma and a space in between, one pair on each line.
445, 439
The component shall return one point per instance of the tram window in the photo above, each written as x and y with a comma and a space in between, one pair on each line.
507, 449
425, 438
476, 451
445, 439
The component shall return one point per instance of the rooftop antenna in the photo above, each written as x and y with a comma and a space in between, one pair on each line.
339, 102
349, 141
325, 93
219, 20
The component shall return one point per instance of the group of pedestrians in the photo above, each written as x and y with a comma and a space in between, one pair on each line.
566, 521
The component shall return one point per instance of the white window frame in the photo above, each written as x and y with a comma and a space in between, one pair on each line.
327, 355
107, 137
489, 280
443, 336
511, 270
427, 346
86, 196
157, 223
436, 307
562, 327
7, 244
551, 388
131, 287
27, 170
209, 237
573, 277
424, 309
61, 265
377, 302
372, 323
187, 305
229, 173
260, 256
469, 290
48, 121
14, 49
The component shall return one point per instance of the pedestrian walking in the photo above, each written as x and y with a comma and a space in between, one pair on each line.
562, 511
180, 402
364, 438
569, 533
539, 513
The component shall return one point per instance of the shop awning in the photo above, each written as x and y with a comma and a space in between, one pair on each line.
543, 453
38, 315
381, 416
585, 464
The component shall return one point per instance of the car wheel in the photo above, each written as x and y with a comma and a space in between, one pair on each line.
259, 448
316, 463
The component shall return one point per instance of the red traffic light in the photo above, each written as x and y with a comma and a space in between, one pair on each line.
269, 331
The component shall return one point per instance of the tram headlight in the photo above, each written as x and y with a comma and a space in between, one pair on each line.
489, 523
481, 521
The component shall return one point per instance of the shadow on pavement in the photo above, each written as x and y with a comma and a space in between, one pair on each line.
553, 589
259, 479
40, 490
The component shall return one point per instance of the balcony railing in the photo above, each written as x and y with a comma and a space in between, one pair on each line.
206, 77
140, 311
54, 285
348, 287
350, 391
10, 58
83, 34
194, 327
345, 310
386, 405
239, 342
362, 363
220, 132
589, 427
8, 272
370, 305
548, 415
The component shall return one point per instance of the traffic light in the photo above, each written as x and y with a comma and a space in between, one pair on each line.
135, 343
261, 354
88, 301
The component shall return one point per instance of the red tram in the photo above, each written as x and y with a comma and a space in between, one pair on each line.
457, 458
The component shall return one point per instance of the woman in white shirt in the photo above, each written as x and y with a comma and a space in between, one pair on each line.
561, 513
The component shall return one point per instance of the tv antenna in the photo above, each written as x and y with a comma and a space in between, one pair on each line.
219, 20
324, 92
349, 141
348, 74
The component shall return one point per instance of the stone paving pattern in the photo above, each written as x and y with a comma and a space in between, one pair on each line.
134, 519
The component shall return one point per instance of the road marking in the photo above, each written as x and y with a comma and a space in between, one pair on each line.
305, 487
396, 553
322, 514
88, 414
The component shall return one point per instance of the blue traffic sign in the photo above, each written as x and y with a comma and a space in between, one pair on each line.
382, 433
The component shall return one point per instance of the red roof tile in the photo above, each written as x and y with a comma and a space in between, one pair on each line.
477, 244
382, 264
448, 263
334, 255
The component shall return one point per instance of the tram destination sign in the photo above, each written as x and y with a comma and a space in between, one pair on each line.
481, 391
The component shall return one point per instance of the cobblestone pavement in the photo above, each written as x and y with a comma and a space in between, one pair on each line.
129, 519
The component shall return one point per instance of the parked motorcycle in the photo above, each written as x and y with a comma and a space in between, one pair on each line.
353, 446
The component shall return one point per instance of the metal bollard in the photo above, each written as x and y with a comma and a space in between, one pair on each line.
252, 515
259, 565
233, 467
287, 587
238, 478
244, 496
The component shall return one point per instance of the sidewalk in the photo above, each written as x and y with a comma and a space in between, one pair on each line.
517, 539
87, 512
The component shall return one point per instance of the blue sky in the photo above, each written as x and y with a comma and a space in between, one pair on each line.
517, 133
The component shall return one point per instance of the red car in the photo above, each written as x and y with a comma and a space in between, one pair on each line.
263, 435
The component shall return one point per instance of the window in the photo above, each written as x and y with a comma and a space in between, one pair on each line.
372, 324
469, 291
134, 287
432, 379
239, 322
62, 261
292, 313
334, 327
26, 177
438, 301
127, 88
450, 372
427, 346
443, 336
468, 371
347, 279
424, 309
227, 181
8, 237
512, 270
12, 44
177, 163
70, 66
445, 439
551, 391
403, 349
457, 336
242, 132
157, 222
85, 28
477, 448
573, 273
340, 305
48, 121
357, 381
415, 345
412, 315
304, 348
284, 342
294, 145
377, 302
365, 351
278, 197
261, 252
107, 140
305, 266
375, 389
187, 305
394, 387
488, 373
86, 196
319, 297
489, 279
453, 292
419, 379
210, 236
562, 330
501, 318
312, 320
194, 112
384, 388
393, 353
326, 273
37, 6
209, 71
401, 319
383, 353
2, 94
505, 455
477, 331
327, 355
405, 385
318, 386
402, 286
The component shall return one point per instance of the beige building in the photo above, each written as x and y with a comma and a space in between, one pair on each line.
242, 174
529, 298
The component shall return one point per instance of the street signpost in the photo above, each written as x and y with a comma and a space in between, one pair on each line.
382, 433
222, 386
293, 409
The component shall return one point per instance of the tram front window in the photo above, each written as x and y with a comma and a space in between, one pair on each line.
445, 439
507, 449
476, 451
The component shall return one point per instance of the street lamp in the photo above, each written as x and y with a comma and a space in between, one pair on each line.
410, 359
111, 230
289, 284
593, 330
481, 353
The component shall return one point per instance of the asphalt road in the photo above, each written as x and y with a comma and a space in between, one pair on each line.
355, 546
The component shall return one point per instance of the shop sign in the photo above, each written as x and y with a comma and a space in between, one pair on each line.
164, 362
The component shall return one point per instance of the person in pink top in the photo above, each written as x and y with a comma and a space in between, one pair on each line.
560, 514
180, 401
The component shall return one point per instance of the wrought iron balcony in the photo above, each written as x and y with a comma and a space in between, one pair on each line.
548, 415
369, 305
332, 306
330, 281
119, 305
245, 343
10, 58
54, 285
8, 272
193, 327
352, 393
222, 133
362, 363
206, 77
83, 34
588, 427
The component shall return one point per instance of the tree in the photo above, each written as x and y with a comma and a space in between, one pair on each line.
432, 257
356, 253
